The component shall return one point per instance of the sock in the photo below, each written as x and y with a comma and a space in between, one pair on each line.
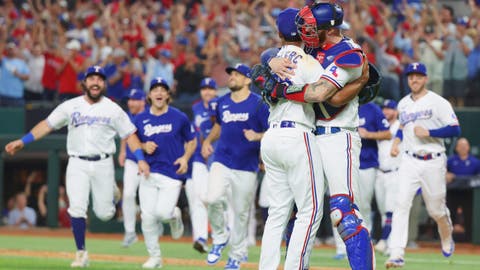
78, 228
387, 228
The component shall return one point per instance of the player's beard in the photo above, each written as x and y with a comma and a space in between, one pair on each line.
235, 88
92, 97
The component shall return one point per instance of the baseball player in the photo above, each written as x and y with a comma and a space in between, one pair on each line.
425, 120
168, 140
296, 177
196, 189
131, 180
387, 175
93, 122
337, 119
241, 118
373, 127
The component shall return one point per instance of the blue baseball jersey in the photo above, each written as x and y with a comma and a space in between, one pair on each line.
373, 120
203, 125
170, 131
468, 167
233, 149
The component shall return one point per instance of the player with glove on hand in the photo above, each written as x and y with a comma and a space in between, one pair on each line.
337, 119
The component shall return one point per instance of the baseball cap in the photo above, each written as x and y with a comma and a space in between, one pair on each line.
416, 67
208, 83
137, 94
73, 45
286, 24
98, 70
159, 81
240, 68
389, 103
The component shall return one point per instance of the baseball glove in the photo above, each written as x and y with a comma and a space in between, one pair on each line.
265, 81
370, 90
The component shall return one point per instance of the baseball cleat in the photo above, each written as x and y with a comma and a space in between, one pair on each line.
201, 245
232, 264
451, 248
394, 263
81, 259
129, 239
176, 224
215, 253
153, 262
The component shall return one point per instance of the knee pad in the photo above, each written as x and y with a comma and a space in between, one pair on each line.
356, 237
344, 216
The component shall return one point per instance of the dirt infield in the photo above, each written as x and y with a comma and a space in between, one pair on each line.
62, 233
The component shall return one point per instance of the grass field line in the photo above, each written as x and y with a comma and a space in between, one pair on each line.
127, 259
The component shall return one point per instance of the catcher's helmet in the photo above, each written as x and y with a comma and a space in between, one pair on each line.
97, 70
319, 16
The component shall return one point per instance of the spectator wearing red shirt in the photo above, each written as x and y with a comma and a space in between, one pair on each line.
53, 63
67, 75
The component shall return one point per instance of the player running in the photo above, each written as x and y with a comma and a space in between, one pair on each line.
168, 140
93, 121
426, 119
131, 179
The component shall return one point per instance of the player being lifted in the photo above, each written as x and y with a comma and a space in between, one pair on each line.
93, 122
337, 118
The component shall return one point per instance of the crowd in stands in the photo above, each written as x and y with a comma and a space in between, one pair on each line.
47, 44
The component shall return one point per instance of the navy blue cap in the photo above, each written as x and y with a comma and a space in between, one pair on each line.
389, 103
137, 94
98, 70
159, 81
240, 68
208, 83
286, 24
416, 67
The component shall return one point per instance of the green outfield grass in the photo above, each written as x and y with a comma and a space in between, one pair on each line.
62, 250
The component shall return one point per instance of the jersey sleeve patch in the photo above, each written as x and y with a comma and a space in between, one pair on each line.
349, 59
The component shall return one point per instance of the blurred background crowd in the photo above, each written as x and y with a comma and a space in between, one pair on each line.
47, 44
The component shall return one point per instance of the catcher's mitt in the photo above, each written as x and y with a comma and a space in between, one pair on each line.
265, 81
370, 90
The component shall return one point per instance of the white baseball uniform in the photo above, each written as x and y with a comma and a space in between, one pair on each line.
294, 171
91, 132
423, 165
340, 144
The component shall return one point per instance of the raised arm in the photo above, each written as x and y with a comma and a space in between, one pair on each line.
37, 132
